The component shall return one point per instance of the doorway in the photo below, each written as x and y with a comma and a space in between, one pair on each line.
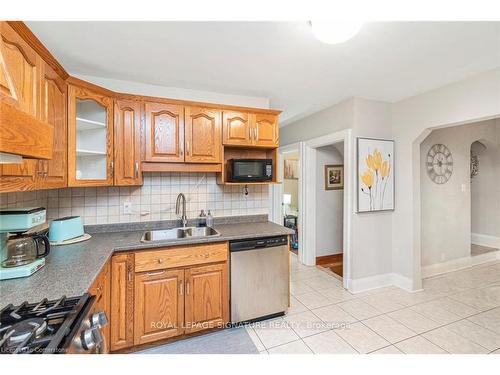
484, 178
330, 207
459, 197
290, 197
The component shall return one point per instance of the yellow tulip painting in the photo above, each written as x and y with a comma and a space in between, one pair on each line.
375, 175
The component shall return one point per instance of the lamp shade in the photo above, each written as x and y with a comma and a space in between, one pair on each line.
287, 199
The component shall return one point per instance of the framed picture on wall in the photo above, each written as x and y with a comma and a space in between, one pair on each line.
291, 169
375, 171
334, 177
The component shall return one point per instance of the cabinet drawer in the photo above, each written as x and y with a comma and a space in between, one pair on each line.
173, 257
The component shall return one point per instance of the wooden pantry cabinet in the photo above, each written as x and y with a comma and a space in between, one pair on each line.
90, 138
172, 292
250, 129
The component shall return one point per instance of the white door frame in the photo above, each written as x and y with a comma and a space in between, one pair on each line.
307, 195
308, 164
276, 191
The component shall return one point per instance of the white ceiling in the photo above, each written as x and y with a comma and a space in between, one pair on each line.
279, 60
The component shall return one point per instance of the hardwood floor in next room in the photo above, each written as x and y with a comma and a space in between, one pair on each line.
333, 262
458, 312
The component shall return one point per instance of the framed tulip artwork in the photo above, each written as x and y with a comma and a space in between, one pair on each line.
375, 175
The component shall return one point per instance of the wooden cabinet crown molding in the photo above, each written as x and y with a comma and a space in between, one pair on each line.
30, 38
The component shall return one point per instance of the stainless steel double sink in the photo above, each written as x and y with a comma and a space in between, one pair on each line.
179, 234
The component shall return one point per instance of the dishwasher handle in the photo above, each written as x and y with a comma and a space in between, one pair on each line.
257, 243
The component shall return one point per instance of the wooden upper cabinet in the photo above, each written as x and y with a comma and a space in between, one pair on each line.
127, 143
236, 129
19, 72
203, 135
164, 132
19, 177
122, 301
250, 129
90, 138
206, 297
159, 305
266, 130
53, 172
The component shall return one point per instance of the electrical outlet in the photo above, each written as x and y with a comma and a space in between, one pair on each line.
464, 188
127, 208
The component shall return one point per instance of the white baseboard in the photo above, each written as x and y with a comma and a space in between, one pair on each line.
458, 264
379, 281
485, 240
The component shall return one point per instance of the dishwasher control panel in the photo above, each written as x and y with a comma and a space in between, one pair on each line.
257, 243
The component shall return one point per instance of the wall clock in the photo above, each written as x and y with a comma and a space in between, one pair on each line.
439, 164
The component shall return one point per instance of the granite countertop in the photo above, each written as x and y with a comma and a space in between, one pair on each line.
71, 269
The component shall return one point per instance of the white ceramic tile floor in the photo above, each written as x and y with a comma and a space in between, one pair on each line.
457, 312
388, 350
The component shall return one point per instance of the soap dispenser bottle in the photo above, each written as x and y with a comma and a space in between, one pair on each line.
210, 220
202, 219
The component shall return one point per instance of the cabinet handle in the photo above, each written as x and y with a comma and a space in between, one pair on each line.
187, 148
250, 133
187, 288
155, 273
129, 273
256, 133
181, 288
136, 170
112, 168
39, 170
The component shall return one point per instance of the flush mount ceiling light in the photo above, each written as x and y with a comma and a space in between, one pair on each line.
334, 32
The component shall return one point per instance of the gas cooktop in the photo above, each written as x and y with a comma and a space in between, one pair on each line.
44, 327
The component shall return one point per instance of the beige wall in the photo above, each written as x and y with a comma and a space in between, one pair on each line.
371, 234
470, 100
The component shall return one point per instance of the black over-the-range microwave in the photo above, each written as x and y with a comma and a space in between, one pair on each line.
250, 170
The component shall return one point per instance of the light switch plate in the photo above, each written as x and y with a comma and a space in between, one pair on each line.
127, 208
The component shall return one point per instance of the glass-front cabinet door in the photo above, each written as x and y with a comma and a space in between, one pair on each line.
90, 136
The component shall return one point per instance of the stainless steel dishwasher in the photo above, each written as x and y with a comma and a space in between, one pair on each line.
260, 278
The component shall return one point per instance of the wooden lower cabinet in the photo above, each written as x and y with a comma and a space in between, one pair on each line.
159, 305
122, 301
206, 297
101, 289
154, 304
